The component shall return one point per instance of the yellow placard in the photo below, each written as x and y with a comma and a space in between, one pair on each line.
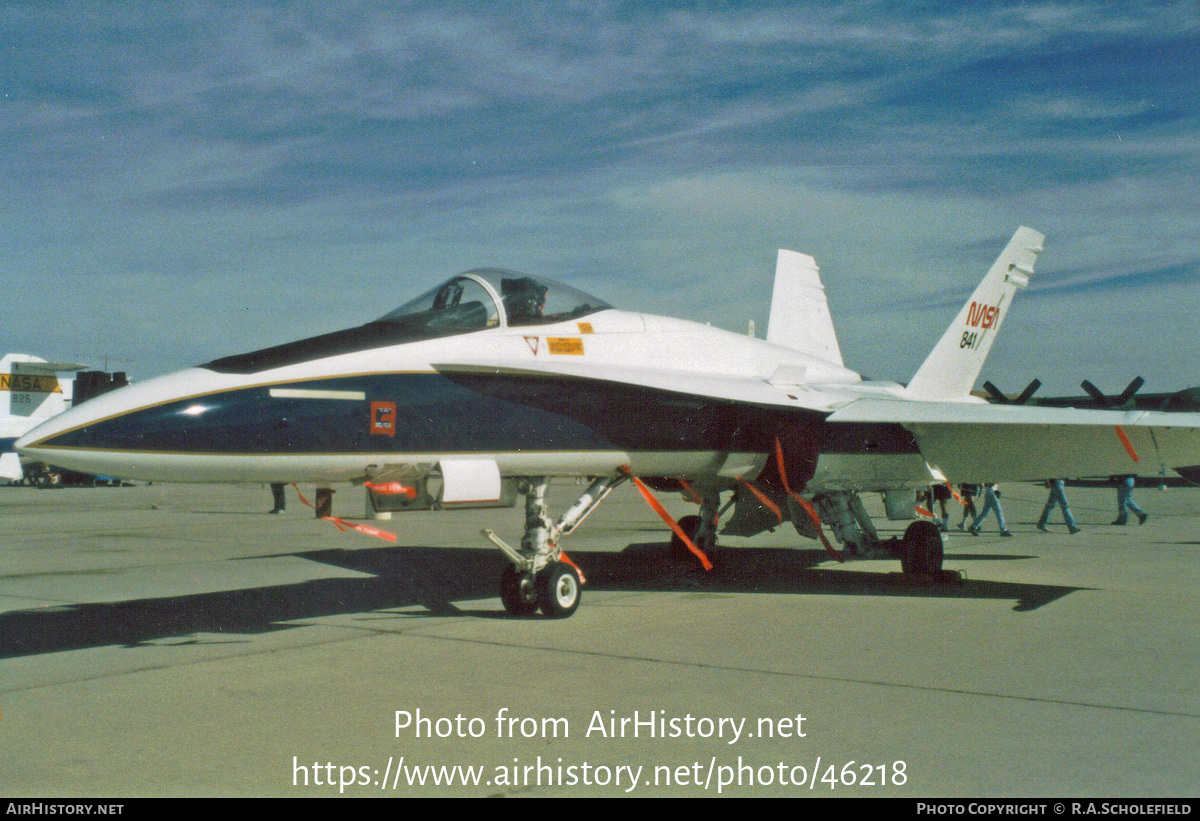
565, 345
29, 382
585, 327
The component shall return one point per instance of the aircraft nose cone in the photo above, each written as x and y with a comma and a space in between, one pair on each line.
40, 442
24, 445
200, 425
104, 434
80, 438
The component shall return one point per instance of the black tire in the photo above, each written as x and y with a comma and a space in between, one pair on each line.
679, 551
559, 590
518, 599
922, 553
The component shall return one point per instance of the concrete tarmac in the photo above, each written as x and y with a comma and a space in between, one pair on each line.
177, 641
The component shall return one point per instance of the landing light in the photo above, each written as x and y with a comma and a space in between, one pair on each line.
194, 410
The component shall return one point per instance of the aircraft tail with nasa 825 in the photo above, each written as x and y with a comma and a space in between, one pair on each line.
30, 393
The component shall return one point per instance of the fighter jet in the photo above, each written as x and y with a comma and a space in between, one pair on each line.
494, 382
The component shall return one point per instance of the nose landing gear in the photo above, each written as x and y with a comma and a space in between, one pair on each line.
540, 577
518, 592
556, 590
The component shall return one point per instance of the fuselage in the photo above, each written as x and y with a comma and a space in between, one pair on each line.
551, 398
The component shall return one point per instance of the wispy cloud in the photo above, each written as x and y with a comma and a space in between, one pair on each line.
659, 152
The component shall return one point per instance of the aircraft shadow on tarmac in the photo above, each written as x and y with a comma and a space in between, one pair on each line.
437, 578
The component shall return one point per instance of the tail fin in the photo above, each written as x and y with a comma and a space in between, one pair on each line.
800, 317
30, 392
950, 370
30, 387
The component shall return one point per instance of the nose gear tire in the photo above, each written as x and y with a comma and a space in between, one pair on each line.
558, 590
517, 592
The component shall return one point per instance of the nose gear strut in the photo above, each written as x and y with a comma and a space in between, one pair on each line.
541, 577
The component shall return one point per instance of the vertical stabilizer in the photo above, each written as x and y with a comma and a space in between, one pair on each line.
30, 387
30, 393
950, 370
800, 317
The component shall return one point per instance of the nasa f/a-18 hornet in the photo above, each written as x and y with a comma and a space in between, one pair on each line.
494, 382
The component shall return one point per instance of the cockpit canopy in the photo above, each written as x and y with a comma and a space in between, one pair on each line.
472, 301
475, 301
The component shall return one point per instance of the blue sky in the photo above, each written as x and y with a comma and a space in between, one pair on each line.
185, 181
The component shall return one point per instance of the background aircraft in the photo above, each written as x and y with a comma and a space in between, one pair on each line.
30, 393
494, 381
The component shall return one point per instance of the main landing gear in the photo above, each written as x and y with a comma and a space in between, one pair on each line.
701, 529
679, 551
540, 576
919, 550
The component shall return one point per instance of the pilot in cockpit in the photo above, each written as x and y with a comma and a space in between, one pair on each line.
524, 300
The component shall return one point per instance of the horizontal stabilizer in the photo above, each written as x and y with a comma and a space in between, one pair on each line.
25, 363
47, 367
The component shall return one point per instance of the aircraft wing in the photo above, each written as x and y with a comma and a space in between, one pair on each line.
730, 388
991, 443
